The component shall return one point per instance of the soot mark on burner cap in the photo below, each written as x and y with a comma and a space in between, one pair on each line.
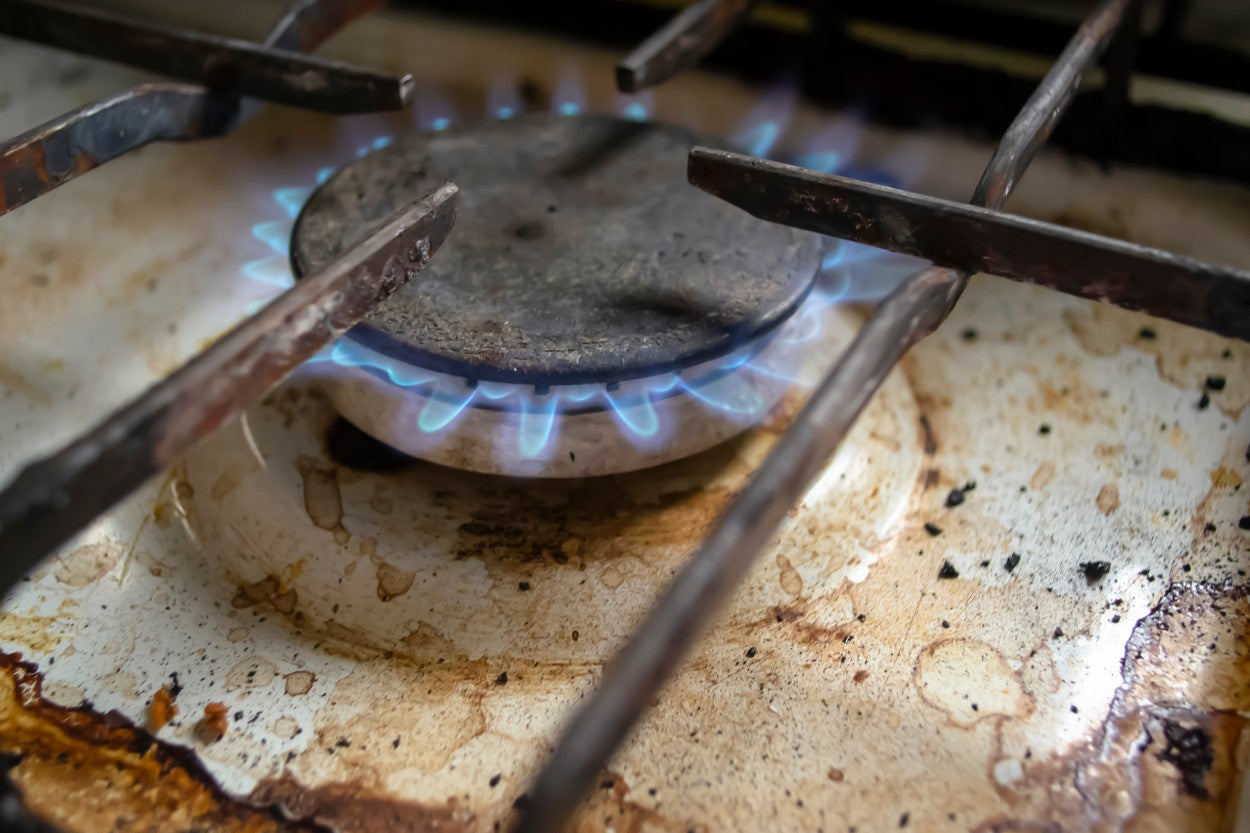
530, 230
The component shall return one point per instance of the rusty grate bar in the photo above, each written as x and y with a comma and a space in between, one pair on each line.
219, 63
54, 498
915, 309
59, 150
972, 239
680, 43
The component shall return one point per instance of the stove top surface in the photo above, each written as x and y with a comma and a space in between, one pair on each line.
401, 646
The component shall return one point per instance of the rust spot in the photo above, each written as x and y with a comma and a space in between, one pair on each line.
32, 631
861, 675
1108, 499
392, 581
1108, 452
251, 672
214, 724
299, 682
1224, 478
835, 775
932, 477
1168, 745
87, 563
349, 807
1042, 476
266, 591
969, 681
791, 581
13, 380
226, 482
162, 709
322, 500
120, 777
930, 440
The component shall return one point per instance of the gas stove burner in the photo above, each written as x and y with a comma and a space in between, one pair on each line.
587, 294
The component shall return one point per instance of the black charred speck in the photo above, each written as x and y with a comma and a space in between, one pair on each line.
969, 334
1191, 752
1010, 562
1244, 523
1095, 570
502, 679
1043, 429
1146, 334
1215, 383
523, 585
751, 651
948, 570
495, 779
954, 498
933, 529
1058, 632
1204, 402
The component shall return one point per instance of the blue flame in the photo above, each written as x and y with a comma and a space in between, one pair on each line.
292, 200
503, 101
761, 129
636, 106
273, 234
825, 161
638, 417
724, 386
570, 95
444, 404
433, 110
830, 150
538, 417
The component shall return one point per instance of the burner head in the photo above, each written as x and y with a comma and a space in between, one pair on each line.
581, 255
590, 313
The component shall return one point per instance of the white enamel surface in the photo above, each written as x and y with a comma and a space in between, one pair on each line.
117, 278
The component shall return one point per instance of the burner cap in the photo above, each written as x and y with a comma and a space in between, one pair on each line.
581, 255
